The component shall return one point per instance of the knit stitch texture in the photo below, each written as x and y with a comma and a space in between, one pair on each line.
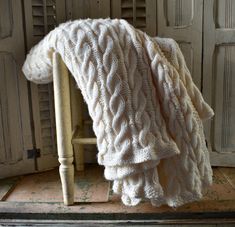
147, 113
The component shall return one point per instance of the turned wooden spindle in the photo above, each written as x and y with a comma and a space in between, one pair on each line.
63, 127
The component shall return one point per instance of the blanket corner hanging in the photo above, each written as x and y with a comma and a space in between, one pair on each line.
147, 113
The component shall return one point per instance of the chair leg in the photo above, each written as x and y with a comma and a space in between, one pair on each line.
77, 123
63, 128
67, 179
79, 157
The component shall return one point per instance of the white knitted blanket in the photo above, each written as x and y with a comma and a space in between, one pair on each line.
147, 113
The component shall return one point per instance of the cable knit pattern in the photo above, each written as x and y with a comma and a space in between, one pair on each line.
147, 113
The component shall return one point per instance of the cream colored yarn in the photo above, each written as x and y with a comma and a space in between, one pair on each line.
147, 113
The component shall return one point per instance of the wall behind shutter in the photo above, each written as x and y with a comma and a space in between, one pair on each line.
15, 130
182, 21
218, 78
41, 16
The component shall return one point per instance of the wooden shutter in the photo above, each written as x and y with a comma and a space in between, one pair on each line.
15, 130
140, 13
219, 78
41, 16
182, 21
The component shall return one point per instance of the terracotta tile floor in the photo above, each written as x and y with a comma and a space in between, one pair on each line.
89, 186
41, 193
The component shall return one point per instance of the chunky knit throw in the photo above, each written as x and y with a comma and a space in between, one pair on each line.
147, 113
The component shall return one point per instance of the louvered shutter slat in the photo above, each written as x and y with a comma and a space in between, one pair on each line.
134, 12
141, 3
127, 13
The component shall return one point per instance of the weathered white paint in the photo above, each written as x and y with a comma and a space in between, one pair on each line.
218, 78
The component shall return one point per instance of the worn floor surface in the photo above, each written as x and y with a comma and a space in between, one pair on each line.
39, 196
89, 186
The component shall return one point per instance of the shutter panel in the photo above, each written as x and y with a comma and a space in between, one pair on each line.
218, 78
182, 21
15, 130
140, 13
41, 16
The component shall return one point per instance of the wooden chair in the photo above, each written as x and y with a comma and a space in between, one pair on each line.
69, 129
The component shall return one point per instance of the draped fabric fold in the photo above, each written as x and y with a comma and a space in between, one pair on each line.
147, 113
